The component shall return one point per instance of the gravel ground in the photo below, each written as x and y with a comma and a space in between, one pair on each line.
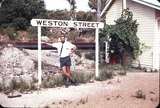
119, 92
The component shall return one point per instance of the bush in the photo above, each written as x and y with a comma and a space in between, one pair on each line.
90, 55
119, 69
82, 77
52, 81
10, 32
57, 80
105, 72
140, 94
17, 84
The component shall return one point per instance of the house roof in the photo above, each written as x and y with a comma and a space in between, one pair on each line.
150, 3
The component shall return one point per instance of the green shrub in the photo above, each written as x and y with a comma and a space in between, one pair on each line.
19, 85
119, 69
14, 84
10, 32
105, 72
1, 87
57, 80
140, 94
90, 56
52, 81
82, 77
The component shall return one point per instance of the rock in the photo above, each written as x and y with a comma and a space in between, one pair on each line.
15, 62
153, 98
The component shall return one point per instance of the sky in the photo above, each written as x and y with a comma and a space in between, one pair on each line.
82, 5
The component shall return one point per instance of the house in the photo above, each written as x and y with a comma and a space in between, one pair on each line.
147, 14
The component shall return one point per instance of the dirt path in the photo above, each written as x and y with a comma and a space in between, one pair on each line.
119, 92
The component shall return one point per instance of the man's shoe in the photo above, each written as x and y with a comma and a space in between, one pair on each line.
73, 82
67, 83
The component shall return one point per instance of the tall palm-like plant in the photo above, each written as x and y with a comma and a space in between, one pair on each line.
93, 4
72, 8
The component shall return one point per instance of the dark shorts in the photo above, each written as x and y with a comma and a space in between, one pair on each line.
65, 61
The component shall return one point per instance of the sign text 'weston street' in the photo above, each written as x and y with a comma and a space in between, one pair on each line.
66, 23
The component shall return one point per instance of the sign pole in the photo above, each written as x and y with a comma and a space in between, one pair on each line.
39, 58
97, 52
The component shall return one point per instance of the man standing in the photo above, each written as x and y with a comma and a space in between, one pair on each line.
65, 49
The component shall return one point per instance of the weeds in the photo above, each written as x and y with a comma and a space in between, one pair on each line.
105, 72
57, 80
83, 101
53, 81
81, 77
18, 85
140, 94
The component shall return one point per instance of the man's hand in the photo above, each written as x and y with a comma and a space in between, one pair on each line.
73, 50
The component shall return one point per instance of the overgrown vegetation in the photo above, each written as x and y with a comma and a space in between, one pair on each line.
82, 77
124, 45
105, 72
140, 94
57, 80
17, 84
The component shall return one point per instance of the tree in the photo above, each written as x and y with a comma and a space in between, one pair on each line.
93, 4
72, 8
122, 37
18, 13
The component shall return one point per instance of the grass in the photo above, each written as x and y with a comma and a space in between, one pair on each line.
82, 77
140, 94
18, 85
105, 72
57, 80
50, 81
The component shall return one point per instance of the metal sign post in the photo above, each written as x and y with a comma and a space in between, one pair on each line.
65, 24
39, 58
97, 53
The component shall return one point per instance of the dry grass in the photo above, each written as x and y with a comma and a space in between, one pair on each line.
105, 72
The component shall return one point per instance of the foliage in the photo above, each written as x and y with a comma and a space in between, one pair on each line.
17, 84
140, 94
58, 15
122, 37
85, 16
72, 8
90, 55
105, 72
10, 32
93, 4
73, 4
82, 77
57, 80
18, 13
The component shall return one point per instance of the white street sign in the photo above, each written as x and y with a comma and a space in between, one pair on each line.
66, 23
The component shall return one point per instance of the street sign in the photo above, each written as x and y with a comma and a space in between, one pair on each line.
66, 23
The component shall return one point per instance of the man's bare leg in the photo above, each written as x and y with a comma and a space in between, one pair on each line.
69, 72
66, 76
64, 69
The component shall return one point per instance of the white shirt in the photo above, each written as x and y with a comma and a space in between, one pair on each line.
66, 50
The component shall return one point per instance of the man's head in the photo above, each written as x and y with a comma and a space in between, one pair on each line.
62, 37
